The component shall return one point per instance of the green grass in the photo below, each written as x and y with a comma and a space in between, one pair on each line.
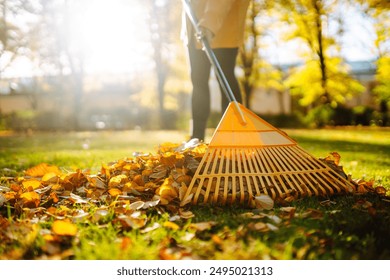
78, 149
342, 228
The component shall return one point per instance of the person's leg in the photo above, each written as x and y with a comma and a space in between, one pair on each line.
227, 59
200, 73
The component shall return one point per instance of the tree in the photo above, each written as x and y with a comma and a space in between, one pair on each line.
12, 35
58, 49
249, 53
323, 79
379, 12
164, 26
257, 71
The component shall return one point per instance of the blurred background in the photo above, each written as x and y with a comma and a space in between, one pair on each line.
74, 65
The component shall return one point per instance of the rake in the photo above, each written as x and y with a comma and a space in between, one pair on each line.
247, 156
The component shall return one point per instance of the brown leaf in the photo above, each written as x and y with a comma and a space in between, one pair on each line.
30, 199
151, 228
264, 201
96, 182
132, 221
259, 226
137, 205
202, 226
380, 190
186, 214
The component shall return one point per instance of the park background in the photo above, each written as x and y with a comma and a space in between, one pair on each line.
95, 95
92, 65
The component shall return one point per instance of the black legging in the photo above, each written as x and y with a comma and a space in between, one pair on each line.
200, 73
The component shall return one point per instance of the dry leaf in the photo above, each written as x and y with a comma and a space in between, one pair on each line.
117, 180
64, 228
151, 203
151, 228
202, 226
272, 227
41, 169
132, 221
114, 192
259, 226
186, 214
264, 201
2, 200
171, 225
30, 199
96, 182
77, 199
380, 190
34, 184
137, 205
166, 191
50, 177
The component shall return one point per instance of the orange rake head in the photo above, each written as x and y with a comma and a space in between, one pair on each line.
244, 160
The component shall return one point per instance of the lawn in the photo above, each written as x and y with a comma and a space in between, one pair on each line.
70, 226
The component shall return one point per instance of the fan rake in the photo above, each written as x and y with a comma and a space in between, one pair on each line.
247, 156
244, 161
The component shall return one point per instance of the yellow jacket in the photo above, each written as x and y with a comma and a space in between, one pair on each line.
224, 18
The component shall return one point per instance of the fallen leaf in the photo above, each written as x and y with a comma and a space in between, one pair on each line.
50, 177
151, 203
2, 199
166, 191
117, 180
114, 192
202, 226
132, 221
171, 225
264, 201
380, 190
125, 243
41, 169
216, 239
34, 184
136, 205
64, 228
259, 226
186, 214
272, 227
30, 199
151, 228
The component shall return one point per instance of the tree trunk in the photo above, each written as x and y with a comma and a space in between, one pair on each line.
320, 52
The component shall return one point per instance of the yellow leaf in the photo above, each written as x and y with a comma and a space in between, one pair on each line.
34, 184
114, 192
117, 180
50, 177
30, 199
166, 191
41, 169
64, 228
167, 147
171, 225
168, 158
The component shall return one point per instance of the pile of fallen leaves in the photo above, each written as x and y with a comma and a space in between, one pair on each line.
126, 189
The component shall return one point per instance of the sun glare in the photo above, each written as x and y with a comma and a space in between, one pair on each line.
115, 37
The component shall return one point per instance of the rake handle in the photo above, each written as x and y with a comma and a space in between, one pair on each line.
213, 59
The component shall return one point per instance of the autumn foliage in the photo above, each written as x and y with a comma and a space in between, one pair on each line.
124, 190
